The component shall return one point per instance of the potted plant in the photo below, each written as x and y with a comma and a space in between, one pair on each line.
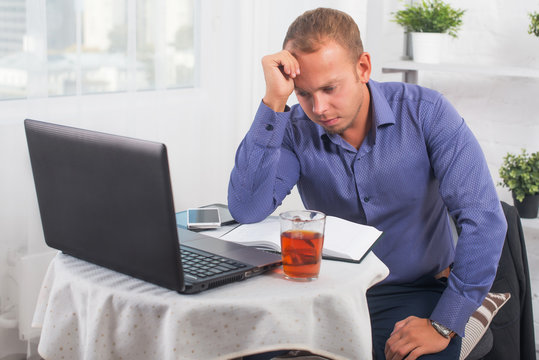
534, 24
520, 173
427, 21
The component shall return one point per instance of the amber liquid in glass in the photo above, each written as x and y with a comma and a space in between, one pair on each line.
302, 253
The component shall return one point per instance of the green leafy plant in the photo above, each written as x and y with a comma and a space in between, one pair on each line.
520, 173
534, 24
433, 16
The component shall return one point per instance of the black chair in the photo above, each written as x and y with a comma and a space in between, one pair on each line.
511, 333
512, 328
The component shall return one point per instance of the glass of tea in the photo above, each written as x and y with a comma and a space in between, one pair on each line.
302, 238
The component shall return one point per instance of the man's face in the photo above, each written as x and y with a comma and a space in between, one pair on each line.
331, 87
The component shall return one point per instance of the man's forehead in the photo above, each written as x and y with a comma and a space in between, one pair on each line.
329, 53
316, 83
314, 45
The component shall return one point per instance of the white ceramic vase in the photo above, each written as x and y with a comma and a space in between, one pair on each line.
427, 47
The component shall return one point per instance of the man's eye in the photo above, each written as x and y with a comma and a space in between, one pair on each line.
302, 93
329, 89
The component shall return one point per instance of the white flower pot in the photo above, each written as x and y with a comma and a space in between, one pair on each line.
427, 47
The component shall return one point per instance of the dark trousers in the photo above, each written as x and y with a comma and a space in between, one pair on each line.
389, 304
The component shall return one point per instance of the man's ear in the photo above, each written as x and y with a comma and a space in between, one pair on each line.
363, 67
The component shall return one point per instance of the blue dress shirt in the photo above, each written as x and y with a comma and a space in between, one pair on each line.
418, 163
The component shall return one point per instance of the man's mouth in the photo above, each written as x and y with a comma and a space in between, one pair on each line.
329, 122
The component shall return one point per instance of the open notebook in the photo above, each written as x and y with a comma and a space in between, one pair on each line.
343, 240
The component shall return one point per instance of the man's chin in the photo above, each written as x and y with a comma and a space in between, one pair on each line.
335, 130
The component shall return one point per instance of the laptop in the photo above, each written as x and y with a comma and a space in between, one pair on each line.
107, 199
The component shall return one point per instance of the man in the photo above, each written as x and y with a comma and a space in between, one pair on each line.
392, 155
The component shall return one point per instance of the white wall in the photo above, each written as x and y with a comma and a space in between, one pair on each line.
501, 111
202, 127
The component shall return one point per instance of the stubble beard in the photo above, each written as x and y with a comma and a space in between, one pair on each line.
341, 130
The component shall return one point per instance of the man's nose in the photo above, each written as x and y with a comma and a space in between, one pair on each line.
319, 104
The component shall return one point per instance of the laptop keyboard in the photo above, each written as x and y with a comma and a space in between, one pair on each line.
204, 265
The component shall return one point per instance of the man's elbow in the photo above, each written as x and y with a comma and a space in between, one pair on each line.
245, 215
246, 211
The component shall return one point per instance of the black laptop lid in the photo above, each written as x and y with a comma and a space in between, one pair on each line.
105, 199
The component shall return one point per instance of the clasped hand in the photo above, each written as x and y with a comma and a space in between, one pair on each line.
413, 337
280, 70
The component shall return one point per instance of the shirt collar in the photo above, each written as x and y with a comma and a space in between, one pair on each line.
381, 111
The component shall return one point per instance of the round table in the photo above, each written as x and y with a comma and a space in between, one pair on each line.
90, 312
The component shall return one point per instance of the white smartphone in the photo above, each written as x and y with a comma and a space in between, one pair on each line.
203, 218
224, 213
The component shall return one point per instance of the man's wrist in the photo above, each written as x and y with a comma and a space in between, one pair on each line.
277, 105
442, 330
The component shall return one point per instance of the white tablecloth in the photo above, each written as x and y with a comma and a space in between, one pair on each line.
89, 312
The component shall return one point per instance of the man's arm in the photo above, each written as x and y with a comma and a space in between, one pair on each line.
266, 169
470, 196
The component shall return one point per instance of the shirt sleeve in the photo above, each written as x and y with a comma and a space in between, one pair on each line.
265, 169
470, 196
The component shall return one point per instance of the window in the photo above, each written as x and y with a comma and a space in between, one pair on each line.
165, 44
13, 77
73, 47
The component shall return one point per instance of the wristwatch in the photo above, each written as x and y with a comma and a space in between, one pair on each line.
442, 330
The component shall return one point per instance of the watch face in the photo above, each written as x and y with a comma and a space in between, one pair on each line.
441, 329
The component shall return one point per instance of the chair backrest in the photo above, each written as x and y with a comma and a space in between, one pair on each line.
512, 328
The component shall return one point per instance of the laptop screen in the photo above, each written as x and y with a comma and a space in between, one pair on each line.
106, 199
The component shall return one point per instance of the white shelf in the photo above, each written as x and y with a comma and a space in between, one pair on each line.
410, 69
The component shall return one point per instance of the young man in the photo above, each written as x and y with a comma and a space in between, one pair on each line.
392, 155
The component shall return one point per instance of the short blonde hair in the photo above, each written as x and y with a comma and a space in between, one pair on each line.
313, 27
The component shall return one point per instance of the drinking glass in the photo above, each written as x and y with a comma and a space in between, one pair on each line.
302, 239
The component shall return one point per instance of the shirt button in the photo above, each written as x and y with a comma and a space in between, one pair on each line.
269, 127
366, 199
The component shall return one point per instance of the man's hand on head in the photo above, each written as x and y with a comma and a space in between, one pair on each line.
413, 337
280, 70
